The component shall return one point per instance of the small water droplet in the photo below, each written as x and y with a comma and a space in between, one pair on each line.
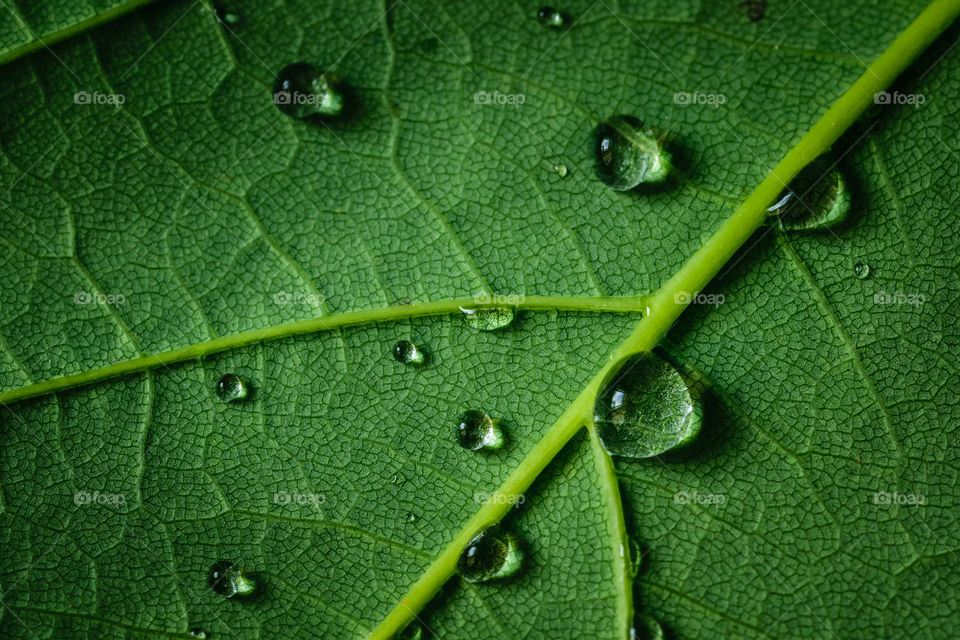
232, 388
817, 198
561, 170
302, 90
861, 270
629, 154
408, 353
397, 479
227, 580
411, 517
646, 408
755, 9
550, 17
646, 628
491, 554
489, 319
477, 431
197, 632
227, 18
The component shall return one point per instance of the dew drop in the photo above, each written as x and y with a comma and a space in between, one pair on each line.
861, 270
646, 628
229, 19
227, 580
232, 388
489, 319
550, 17
491, 554
197, 632
411, 517
561, 170
817, 198
408, 353
397, 479
646, 408
479, 432
629, 154
302, 90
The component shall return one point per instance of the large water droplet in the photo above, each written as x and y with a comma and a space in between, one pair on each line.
478, 431
561, 170
491, 554
408, 353
232, 388
646, 408
629, 154
302, 90
197, 632
861, 270
411, 517
489, 319
226, 579
550, 17
817, 198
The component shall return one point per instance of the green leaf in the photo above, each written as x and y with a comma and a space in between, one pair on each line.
190, 229
26, 26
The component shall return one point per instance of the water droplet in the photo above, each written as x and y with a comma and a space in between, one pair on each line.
412, 631
232, 388
561, 170
755, 9
477, 431
491, 554
646, 408
629, 154
489, 319
646, 628
550, 17
397, 479
408, 353
227, 580
817, 198
229, 19
861, 270
197, 632
302, 90
411, 517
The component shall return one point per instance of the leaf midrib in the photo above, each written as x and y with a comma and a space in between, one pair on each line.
663, 308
